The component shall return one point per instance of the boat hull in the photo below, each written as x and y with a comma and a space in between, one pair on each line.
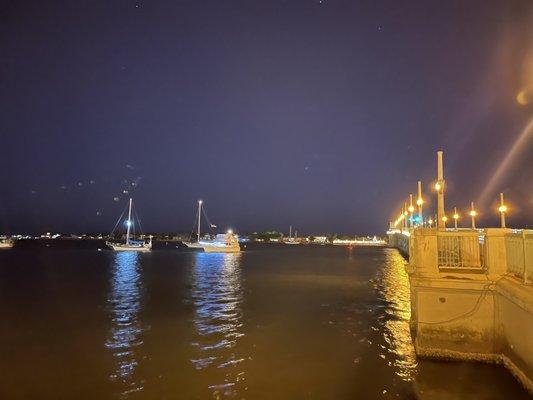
6, 245
214, 248
124, 247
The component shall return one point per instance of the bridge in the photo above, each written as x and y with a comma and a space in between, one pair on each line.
471, 289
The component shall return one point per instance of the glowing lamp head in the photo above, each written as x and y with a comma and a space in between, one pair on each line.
200, 201
502, 208
438, 186
419, 202
445, 218
455, 216
430, 221
230, 231
411, 209
128, 222
405, 213
473, 213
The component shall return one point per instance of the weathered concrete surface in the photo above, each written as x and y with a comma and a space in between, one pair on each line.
483, 315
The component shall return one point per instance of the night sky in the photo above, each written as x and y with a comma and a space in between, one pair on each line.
316, 114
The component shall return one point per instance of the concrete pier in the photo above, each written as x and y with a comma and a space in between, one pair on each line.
472, 295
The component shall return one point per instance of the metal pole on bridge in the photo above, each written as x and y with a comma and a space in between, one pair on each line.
419, 202
473, 214
411, 210
439, 186
502, 209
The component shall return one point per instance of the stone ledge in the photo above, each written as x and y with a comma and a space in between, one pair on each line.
450, 355
518, 374
514, 290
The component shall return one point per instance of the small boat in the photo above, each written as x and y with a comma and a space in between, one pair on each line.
6, 243
131, 244
222, 243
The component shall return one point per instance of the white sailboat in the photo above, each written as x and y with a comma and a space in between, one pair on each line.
131, 244
222, 243
292, 240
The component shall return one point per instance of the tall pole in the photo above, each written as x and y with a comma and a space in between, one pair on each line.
129, 224
441, 223
405, 214
502, 209
419, 202
411, 209
473, 215
199, 213
455, 217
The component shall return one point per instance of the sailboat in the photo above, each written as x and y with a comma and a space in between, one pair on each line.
131, 244
292, 240
222, 243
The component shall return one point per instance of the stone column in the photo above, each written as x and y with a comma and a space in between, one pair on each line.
495, 255
424, 259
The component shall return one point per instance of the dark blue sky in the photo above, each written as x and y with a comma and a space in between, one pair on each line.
320, 114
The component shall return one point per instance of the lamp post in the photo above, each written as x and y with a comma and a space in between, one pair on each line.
455, 217
419, 202
411, 209
473, 214
430, 222
439, 187
502, 209
405, 214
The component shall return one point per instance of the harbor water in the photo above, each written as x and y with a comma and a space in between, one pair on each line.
272, 322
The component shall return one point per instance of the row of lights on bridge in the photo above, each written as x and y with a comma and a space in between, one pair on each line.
441, 216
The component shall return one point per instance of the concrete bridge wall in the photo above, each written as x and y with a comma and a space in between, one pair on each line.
465, 304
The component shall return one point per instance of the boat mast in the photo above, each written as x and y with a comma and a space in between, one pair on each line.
199, 213
128, 224
290, 231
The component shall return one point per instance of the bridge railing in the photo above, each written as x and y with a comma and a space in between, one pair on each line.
519, 250
461, 250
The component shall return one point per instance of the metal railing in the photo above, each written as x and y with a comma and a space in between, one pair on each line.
519, 249
461, 250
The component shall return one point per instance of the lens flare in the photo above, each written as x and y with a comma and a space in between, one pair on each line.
507, 162
524, 97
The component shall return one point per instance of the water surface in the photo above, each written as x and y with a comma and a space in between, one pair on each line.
274, 322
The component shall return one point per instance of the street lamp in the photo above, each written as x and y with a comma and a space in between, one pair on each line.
455, 216
419, 202
502, 209
405, 214
473, 214
411, 209
430, 222
439, 187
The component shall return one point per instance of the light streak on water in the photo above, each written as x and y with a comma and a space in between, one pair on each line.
217, 296
124, 304
393, 286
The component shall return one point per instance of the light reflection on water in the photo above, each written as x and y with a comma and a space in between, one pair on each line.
217, 295
124, 304
393, 287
